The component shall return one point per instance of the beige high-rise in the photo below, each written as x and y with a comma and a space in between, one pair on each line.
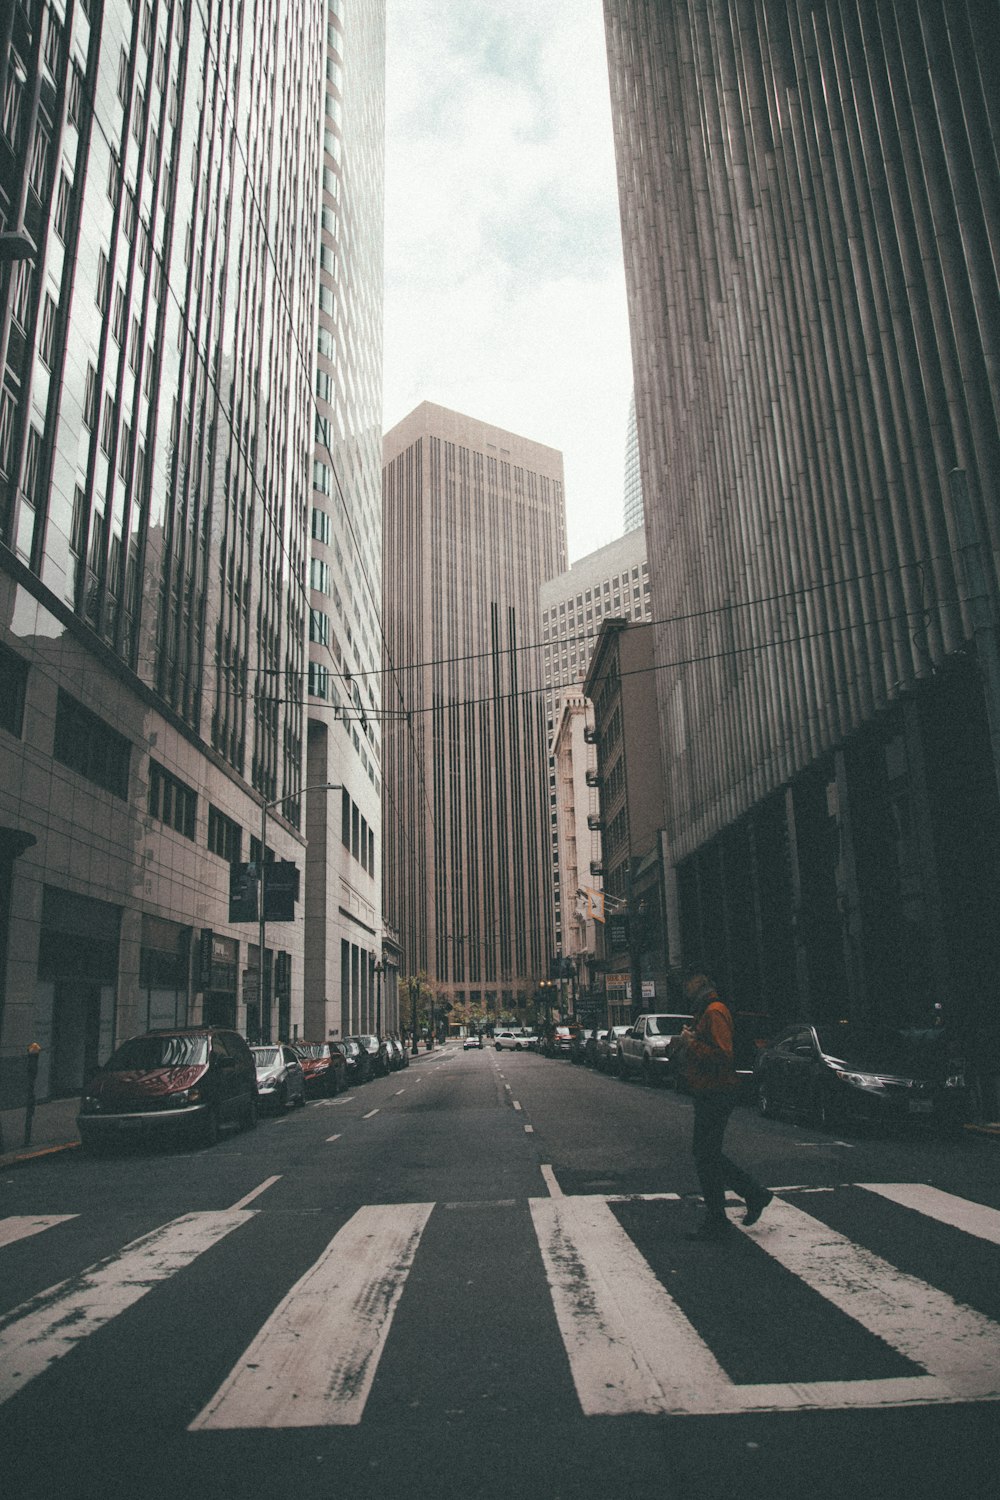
474, 522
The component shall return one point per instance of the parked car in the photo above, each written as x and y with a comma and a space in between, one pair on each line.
578, 1044
189, 1082
645, 1048
378, 1061
607, 1048
558, 1041
355, 1060
845, 1074
395, 1054
472, 1041
280, 1079
514, 1038
324, 1067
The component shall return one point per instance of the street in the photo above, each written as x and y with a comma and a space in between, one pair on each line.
471, 1278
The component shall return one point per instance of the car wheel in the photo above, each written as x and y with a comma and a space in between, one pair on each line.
819, 1110
648, 1076
301, 1100
765, 1103
210, 1128
622, 1070
249, 1120
283, 1098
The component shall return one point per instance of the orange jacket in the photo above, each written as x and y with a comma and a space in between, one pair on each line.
710, 1068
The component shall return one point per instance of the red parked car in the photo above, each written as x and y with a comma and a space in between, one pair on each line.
324, 1066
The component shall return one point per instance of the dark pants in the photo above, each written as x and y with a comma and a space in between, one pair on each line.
715, 1171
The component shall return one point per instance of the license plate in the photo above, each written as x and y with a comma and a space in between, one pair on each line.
920, 1106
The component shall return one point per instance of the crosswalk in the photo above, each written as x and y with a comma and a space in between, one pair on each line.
631, 1344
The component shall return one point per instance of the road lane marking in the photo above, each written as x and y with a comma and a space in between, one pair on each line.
555, 1191
369, 1114
313, 1362
398, 1092
48, 1326
529, 1129
21, 1226
515, 1104
630, 1347
961, 1213
343, 1099
956, 1345
332, 1138
256, 1192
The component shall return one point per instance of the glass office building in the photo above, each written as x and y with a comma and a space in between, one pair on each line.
161, 194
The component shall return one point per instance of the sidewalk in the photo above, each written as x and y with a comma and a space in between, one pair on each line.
53, 1128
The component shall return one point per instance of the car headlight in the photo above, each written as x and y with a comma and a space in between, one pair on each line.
860, 1080
955, 1081
185, 1097
90, 1104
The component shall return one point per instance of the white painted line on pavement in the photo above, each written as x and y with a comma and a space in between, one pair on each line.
343, 1099
20, 1226
630, 1347
953, 1342
515, 1104
529, 1129
332, 1138
49, 1325
961, 1213
314, 1360
507, 1087
256, 1192
555, 1191
369, 1114
398, 1092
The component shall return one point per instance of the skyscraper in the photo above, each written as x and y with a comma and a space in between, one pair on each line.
474, 521
632, 515
157, 424
809, 197
343, 862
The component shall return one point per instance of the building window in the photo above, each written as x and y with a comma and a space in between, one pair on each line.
90, 747
319, 628
47, 337
321, 526
319, 576
319, 680
13, 685
8, 406
75, 95
90, 399
108, 425
32, 465
63, 200
225, 837
21, 299
171, 801
118, 320
123, 77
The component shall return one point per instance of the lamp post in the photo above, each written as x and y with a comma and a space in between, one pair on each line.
265, 808
410, 982
379, 971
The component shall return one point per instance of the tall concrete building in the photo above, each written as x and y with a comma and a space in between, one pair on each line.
612, 582
161, 190
344, 937
632, 513
809, 199
474, 521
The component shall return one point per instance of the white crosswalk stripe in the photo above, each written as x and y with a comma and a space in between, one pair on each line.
48, 1326
971, 1218
21, 1226
313, 1362
630, 1346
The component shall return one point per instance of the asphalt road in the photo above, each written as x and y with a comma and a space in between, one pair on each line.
471, 1279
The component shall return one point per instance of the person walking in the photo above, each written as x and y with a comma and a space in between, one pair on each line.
710, 1074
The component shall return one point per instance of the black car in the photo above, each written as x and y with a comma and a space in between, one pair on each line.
355, 1061
841, 1073
378, 1056
187, 1082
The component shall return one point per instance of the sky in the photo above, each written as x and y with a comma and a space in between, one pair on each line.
505, 289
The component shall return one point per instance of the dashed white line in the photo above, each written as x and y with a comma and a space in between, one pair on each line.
332, 1138
398, 1092
515, 1104
555, 1191
257, 1191
369, 1114
529, 1129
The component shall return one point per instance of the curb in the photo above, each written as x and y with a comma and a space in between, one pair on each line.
21, 1158
992, 1130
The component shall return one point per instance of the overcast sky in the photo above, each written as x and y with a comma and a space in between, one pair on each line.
505, 293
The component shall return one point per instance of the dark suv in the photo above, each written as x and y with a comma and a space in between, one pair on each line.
182, 1082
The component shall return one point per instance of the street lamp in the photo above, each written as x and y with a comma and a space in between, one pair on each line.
265, 808
379, 971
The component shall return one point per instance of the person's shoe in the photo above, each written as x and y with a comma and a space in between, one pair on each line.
756, 1204
710, 1229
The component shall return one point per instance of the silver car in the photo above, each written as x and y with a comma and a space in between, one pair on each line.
280, 1079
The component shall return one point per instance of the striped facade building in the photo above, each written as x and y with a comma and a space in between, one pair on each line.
810, 204
474, 521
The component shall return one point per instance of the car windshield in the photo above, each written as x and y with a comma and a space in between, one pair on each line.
143, 1053
877, 1051
350, 1048
266, 1057
667, 1025
312, 1049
